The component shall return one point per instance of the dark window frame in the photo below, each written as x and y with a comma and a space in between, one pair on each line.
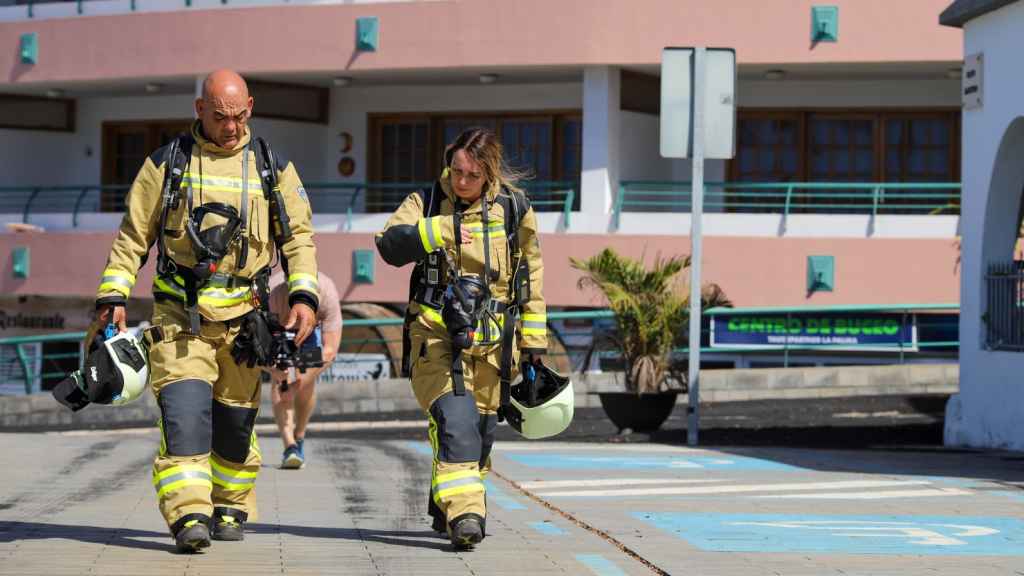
435, 134
69, 110
323, 104
878, 115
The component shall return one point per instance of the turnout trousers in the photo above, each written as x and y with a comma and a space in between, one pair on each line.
208, 457
461, 427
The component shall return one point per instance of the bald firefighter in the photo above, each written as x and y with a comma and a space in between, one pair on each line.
475, 306
218, 204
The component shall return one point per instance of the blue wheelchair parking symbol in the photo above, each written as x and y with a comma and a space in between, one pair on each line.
919, 535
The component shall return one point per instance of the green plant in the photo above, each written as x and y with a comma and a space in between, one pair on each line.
651, 312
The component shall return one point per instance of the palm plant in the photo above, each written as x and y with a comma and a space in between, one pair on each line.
651, 313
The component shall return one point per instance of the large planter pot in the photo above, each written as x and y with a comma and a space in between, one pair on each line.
638, 412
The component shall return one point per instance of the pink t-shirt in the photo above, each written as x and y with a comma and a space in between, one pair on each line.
328, 314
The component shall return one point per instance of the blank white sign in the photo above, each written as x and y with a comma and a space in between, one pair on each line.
677, 89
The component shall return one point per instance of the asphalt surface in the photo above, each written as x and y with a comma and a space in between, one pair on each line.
861, 488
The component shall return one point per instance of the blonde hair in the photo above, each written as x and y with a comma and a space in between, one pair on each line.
483, 147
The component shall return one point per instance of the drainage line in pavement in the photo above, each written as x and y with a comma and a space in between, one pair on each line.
608, 537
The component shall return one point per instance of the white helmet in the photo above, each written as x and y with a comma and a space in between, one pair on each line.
115, 372
542, 405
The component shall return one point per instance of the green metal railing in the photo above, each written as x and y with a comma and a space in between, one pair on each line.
325, 198
370, 197
922, 310
79, 8
61, 200
791, 197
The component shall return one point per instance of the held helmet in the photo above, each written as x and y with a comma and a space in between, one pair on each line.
541, 404
115, 372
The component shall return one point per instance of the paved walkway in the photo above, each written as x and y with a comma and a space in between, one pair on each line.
82, 503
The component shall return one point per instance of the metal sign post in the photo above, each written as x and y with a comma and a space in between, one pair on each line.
696, 213
698, 119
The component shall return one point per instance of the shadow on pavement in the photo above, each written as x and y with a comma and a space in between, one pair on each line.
404, 538
124, 538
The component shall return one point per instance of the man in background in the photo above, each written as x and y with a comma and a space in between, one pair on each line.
293, 393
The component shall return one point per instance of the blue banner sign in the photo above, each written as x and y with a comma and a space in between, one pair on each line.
835, 331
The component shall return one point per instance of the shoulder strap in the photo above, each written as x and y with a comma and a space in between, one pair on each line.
515, 205
269, 166
176, 155
431, 199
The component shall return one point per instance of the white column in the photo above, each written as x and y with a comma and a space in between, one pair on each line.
601, 129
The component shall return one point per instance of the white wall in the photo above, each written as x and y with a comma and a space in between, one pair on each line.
304, 143
28, 157
71, 158
602, 130
990, 406
639, 154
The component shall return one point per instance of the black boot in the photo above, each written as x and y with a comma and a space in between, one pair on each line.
466, 531
228, 524
191, 533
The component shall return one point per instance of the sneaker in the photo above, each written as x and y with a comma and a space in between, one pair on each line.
292, 459
299, 443
192, 537
228, 528
467, 531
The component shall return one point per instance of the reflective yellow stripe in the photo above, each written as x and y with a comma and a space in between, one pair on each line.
535, 324
120, 274
300, 281
218, 183
231, 479
166, 288
478, 333
430, 233
432, 315
424, 239
435, 226
211, 296
177, 470
457, 475
237, 474
177, 477
254, 445
496, 229
163, 439
117, 280
114, 287
459, 482
448, 492
183, 483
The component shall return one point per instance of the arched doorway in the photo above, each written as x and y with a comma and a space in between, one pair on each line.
1002, 270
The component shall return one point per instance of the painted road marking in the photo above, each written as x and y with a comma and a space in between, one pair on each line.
546, 528
619, 462
548, 484
735, 489
533, 446
918, 535
599, 565
422, 448
923, 493
499, 497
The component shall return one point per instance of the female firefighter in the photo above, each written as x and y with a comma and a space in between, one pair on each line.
475, 307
